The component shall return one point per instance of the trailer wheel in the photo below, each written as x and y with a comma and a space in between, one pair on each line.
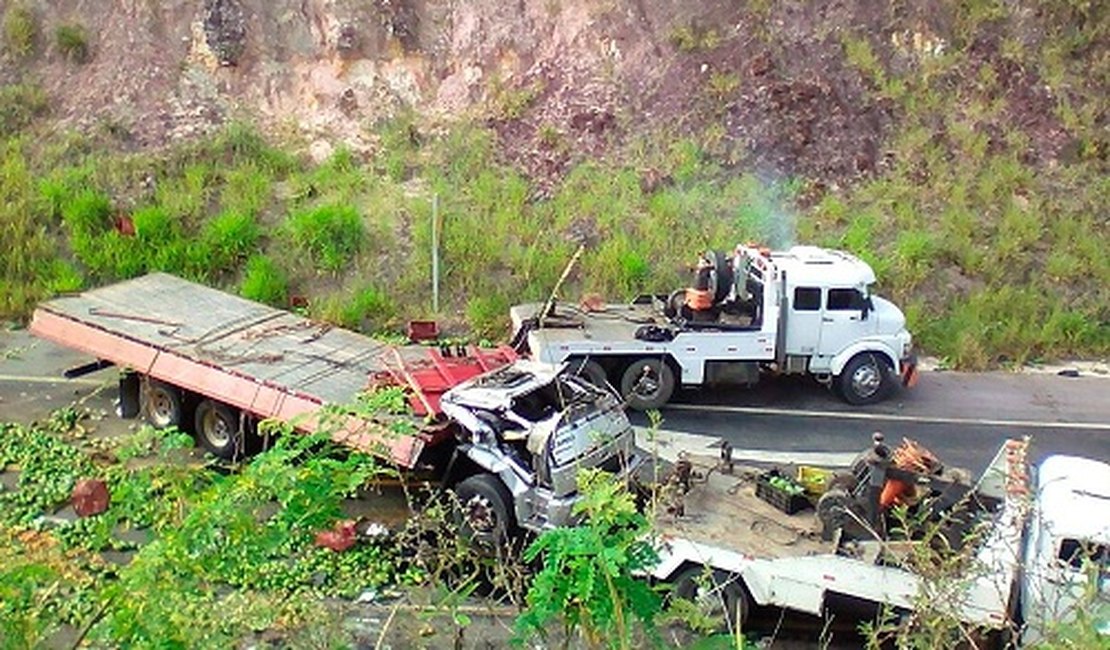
865, 380
717, 594
162, 404
647, 383
589, 370
484, 513
217, 429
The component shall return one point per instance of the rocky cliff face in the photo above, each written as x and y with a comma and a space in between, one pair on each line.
587, 74
794, 89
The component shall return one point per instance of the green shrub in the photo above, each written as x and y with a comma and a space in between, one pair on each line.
367, 309
72, 42
230, 237
20, 30
485, 314
154, 226
331, 234
20, 104
264, 281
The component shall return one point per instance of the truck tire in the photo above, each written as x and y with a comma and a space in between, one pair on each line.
865, 380
647, 383
717, 594
589, 370
485, 514
163, 404
217, 430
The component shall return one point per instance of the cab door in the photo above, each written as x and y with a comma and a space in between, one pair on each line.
844, 319
803, 321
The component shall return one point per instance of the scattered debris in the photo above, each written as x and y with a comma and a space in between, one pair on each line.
90, 497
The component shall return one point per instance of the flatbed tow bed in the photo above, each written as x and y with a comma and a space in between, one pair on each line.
259, 359
762, 556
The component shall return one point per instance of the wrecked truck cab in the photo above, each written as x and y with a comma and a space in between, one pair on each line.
534, 426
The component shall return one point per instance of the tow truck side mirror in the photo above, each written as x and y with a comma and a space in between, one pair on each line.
865, 308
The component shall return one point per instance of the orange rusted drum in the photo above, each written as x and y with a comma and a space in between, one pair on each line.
699, 299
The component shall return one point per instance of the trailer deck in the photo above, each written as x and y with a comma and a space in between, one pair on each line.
263, 360
723, 510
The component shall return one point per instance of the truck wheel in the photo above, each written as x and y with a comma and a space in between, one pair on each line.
647, 383
484, 513
162, 404
865, 380
717, 594
589, 370
217, 429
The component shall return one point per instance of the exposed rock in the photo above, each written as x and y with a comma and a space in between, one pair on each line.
225, 30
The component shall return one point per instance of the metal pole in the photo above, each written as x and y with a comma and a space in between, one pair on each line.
435, 253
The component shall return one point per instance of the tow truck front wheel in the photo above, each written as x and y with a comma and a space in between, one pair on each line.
716, 594
647, 383
484, 511
217, 430
865, 380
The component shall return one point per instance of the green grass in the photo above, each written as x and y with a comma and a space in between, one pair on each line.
20, 104
72, 42
994, 256
20, 30
265, 281
367, 309
331, 234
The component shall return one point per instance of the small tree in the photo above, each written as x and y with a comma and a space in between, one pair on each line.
589, 576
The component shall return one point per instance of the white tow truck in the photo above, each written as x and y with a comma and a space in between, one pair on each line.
1033, 545
806, 310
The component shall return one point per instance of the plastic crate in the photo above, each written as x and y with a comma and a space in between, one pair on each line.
780, 499
814, 479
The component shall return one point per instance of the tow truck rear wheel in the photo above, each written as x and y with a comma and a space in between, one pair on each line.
162, 404
717, 594
647, 383
217, 429
484, 513
865, 380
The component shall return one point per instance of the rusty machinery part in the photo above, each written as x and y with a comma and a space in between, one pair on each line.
913, 457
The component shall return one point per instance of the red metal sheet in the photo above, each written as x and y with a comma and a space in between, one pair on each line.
91, 340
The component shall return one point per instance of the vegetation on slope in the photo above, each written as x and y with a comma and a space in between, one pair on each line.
984, 217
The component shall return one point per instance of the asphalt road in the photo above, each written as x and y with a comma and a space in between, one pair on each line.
962, 417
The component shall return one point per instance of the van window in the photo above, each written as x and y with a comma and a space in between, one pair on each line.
1076, 554
807, 298
845, 299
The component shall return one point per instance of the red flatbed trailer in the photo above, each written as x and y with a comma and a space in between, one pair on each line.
267, 362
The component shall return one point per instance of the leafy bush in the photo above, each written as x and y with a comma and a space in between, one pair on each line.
332, 234
589, 577
264, 281
72, 42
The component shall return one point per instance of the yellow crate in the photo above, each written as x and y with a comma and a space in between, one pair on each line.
814, 479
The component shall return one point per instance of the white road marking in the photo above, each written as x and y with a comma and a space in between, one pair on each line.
22, 379
924, 419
